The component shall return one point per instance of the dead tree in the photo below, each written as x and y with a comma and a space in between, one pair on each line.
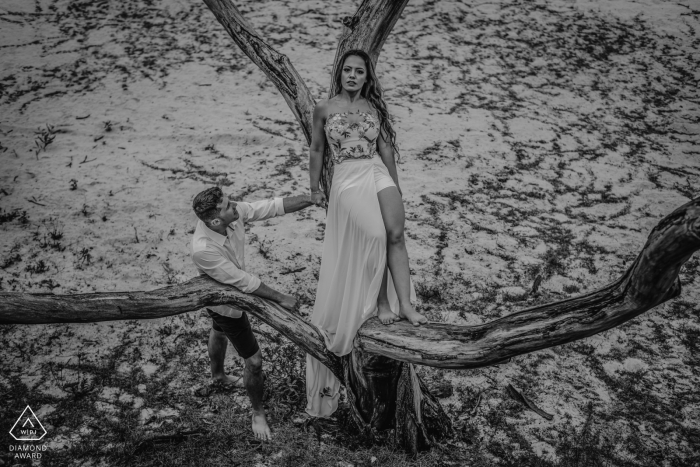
383, 388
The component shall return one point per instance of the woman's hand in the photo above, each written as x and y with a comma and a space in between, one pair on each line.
319, 199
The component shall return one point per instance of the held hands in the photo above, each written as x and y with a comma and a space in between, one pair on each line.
319, 199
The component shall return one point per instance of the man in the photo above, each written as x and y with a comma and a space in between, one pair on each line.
217, 251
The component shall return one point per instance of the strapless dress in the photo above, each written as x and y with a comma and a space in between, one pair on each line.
354, 250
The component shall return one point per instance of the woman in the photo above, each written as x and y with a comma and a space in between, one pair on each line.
353, 144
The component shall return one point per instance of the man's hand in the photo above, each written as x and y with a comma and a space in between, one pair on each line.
286, 301
296, 203
289, 302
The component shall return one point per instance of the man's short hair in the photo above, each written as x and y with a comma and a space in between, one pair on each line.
204, 204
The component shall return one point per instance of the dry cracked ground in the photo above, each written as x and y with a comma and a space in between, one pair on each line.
541, 141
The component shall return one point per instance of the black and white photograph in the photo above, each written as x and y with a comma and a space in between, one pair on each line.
416, 233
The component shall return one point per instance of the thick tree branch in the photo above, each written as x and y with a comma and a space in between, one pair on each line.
275, 65
369, 27
651, 280
23, 308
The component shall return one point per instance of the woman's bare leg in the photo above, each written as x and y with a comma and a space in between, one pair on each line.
393, 214
384, 313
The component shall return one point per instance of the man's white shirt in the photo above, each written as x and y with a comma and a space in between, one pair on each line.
221, 257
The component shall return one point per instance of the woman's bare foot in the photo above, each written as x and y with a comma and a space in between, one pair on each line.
384, 313
229, 381
415, 318
260, 428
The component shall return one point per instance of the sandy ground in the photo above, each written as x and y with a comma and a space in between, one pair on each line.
537, 138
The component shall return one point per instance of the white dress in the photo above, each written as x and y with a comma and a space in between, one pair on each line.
354, 251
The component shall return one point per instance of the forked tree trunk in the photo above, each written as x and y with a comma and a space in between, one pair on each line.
372, 409
382, 384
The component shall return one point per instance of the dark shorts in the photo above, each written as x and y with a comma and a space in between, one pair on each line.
238, 331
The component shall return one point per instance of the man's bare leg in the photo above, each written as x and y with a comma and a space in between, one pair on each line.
253, 380
384, 313
217, 354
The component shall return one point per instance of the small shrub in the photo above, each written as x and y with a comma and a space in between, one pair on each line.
55, 232
37, 268
9, 216
10, 260
170, 274
43, 138
286, 377
84, 256
430, 293
265, 248
586, 448
49, 283
53, 244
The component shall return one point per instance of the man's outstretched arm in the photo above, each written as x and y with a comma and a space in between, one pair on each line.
296, 203
267, 208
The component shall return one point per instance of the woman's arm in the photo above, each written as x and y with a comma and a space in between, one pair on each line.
316, 148
386, 152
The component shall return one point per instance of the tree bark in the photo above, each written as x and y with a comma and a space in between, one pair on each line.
385, 394
368, 28
275, 65
651, 280
197, 293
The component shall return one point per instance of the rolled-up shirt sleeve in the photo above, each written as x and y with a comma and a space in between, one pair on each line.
222, 270
261, 210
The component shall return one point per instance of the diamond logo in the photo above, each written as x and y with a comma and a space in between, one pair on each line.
28, 427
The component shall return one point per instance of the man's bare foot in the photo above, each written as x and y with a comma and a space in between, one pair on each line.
384, 313
260, 428
229, 381
415, 318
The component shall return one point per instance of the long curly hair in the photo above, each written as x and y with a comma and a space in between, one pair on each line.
372, 91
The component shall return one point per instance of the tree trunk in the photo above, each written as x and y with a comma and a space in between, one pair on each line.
366, 30
386, 393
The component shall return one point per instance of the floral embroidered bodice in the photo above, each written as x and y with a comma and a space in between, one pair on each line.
356, 140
